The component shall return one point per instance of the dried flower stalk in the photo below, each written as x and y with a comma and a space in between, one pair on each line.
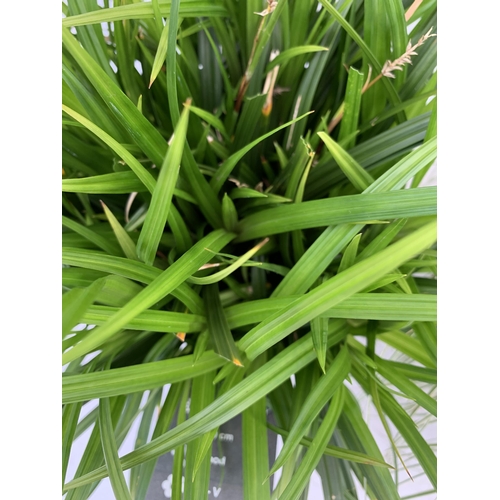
398, 64
387, 70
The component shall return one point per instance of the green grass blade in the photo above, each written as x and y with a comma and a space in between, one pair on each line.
386, 280
392, 144
376, 36
145, 427
314, 453
70, 416
229, 213
158, 18
334, 239
358, 176
218, 327
155, 321
357, 434
284, 57
255, 447
196, 485
382, 240
322, 392
335, 290
264, 38
319, 333
206, 198
413, 372
93, 456
179, 452
165, 418
349, 256
397, 176
213, 121
145, 10
173, 22
427, 334
316, 259
79, 98
214, 278
160, 55
110, 451
394, 110
136, 378
336, 452
236, 400
409, 346
352, 106
407, 387
352, 209
408, 430
124, 240
133, 270
76, 302
430, 134
234, 377
73, 277
370, 56
92, 236
397, 27
161, 200
115, 183
164, 284
224, 171
145, 135
380, 306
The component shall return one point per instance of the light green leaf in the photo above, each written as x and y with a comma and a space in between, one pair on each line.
71, 412
196, 485
145, 10
115, 183
335, 451
314, 453
76, 302
358, 176
164, 284
133, 270
124, 240
224, 171
91, 235
161, 53
335, 290
136, 378
236, 400
349, 256
284, 57
110, 451
341, 210
255, 447
214, 278
409, 346
352, 106
144, 134
218, 327
161, 200
322, 392
382, 240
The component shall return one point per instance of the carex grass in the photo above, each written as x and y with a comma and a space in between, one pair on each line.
244, 222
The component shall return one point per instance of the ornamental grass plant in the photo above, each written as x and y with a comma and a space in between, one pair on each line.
244, 223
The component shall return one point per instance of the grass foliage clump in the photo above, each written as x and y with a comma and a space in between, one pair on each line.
242, 206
